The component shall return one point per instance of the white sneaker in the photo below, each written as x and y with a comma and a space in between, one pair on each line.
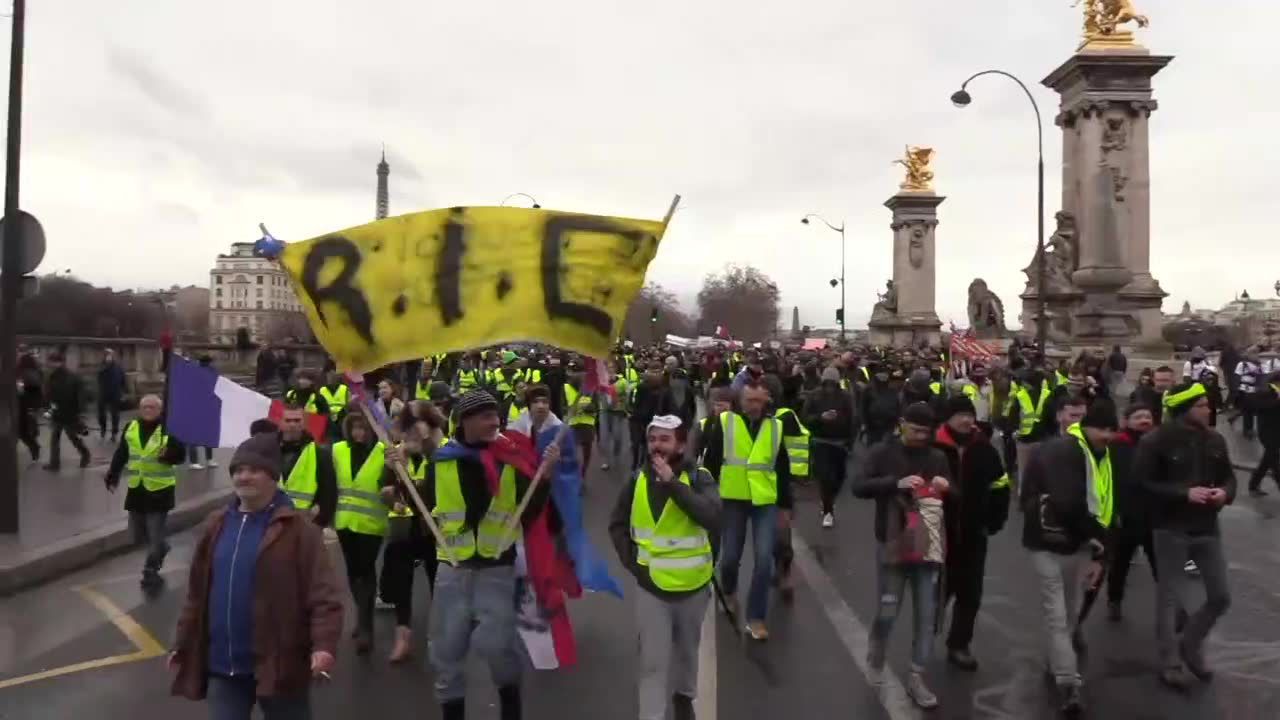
920, 693
828, 520
213, 463
1191, 568
196, 466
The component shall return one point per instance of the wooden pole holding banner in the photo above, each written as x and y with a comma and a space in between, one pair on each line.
407, 482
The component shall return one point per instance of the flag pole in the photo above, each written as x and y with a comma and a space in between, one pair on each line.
514, 520
407, 482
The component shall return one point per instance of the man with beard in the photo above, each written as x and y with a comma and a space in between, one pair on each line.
1132, 528
652, 398
881, 405
308, 477
664, 527
828, 414
976, 507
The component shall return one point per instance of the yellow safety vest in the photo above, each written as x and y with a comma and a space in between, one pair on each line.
623, 389
417, 474
337, 400
970, 391
1030, 413
451, 515
529, 376
144, 466
291, 398
748, 470
360, 507
1099, 476
513, 413
424, 391
578, 407
504, 385
469, 379
301, 484
935, 388
797, 445
675, 549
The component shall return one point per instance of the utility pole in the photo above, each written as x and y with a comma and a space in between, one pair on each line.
10, 284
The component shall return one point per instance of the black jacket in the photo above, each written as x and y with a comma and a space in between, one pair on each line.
1266, 402
1171, 460
1149, 396
881, 407
1131, 502
888, 462
651, 401
700, 500
111, 383
713, 454
326, 500
1055, 500
841, 430
65, 396
978, 502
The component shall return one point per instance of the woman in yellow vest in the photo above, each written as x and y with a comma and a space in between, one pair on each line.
664, 527
361, 519
408, 541
149, 454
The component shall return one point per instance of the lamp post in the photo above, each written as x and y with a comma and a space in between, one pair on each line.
843, 314
961, 98
10, 282
526, 196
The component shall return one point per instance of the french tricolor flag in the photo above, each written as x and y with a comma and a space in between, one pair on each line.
210, 410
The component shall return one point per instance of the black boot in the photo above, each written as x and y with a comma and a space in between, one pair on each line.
682, 707
454, 710
364, 616
510, 698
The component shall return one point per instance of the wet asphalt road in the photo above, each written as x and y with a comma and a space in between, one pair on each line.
107, 669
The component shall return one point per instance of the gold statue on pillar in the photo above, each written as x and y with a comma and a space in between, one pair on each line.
1103, 20
919, 176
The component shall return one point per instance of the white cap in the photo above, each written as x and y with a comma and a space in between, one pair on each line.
664, 422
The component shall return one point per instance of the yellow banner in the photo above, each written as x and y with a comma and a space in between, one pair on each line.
467, 277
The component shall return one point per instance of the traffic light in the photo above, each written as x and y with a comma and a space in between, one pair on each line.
653, 315
840, 315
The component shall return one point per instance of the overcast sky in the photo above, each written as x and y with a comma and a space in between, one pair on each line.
156, 133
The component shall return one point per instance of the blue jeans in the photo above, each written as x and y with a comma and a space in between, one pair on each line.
234, 698
764, 525
473, 608
892, 581
148, 529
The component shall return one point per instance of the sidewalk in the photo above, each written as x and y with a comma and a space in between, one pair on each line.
68, 519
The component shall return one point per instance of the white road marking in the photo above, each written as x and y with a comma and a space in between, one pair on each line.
852, 633
705, 704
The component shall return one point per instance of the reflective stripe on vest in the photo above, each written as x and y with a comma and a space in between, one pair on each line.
1098, 475
578, 407
748, 471
144, 466
797, 445
675, 549
1030, 414
300, 486
337, 400
360, 507
468, 379
451, 515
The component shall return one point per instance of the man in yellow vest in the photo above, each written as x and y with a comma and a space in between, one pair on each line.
745, 453
361, 519
335, 394
664, 526
308, 477
473, 604
1026, 406
149, 454
581, 411
1068, 501
304, 395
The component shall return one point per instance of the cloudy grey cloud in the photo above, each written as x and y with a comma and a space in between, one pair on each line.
757, 113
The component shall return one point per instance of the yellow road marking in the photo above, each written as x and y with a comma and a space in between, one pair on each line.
147, 645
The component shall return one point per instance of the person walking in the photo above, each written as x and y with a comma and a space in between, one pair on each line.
976, 508
1131, 528
263, 612
66, 405
1249, 380
828, 414
361, 521
1266, 403
472, 604
1117, 367
1185, 470
308, 475
746, 455
1067, 505
665, 526
149, 454
907, 477
111, 391
30, 400
881, 405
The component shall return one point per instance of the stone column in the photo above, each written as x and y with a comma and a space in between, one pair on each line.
1105, 106
915, 218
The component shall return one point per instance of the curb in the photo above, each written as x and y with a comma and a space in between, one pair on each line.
79, 551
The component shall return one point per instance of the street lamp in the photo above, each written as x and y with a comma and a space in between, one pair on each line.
11, 281
843, 314
526, 196
961, 98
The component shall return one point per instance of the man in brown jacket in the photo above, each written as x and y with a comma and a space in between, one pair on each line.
263, 613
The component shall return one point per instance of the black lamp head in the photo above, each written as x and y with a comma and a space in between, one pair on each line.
536, 206
961, 98
834, 282
804, 221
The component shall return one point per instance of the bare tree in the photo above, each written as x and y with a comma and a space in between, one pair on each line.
642, 326
286, 328
65, 305
741, 299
